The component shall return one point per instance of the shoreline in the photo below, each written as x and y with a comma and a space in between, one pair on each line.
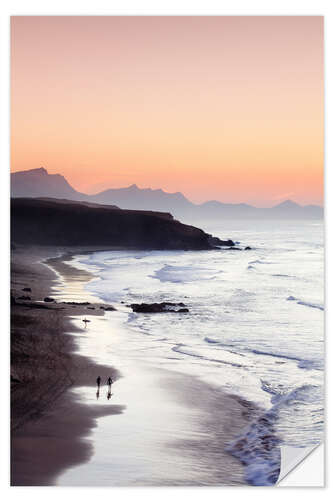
46, 438
68, 427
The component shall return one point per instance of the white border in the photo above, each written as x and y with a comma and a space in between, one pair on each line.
139, 7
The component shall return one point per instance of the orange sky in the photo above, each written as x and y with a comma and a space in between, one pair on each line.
226, 108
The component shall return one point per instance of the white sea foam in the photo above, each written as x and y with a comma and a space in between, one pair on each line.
184, 274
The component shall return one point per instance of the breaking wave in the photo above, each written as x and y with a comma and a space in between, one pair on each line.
307, 304
180, 349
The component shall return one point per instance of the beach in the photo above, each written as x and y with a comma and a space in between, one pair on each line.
56, 419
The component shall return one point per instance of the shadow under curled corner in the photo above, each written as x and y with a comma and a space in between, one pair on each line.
296, 463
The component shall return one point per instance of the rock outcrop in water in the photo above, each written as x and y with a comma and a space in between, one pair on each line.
214, 241
159, 307
37, 221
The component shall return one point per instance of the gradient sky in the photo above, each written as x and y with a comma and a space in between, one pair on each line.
225, 108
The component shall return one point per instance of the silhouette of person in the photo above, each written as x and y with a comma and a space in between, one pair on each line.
97, 394
98, 382
110, 381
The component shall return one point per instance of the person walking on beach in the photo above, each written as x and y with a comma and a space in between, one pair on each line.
98, 382
109, 382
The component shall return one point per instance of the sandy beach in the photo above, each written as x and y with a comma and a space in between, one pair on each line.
47, 424
56, 421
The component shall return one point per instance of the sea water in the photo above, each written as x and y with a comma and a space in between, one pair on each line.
255, 325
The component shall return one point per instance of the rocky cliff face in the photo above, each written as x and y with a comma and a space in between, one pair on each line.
52, 222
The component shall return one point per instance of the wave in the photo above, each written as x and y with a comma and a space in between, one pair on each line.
281, 396
178, 348
307, 364
275, 355
258, 447
258, 450
307, 304
302, 363
184, 274
222, 344
231, 349
211, 341
131, 316
258, 261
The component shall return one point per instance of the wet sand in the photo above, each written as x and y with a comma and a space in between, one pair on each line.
47, 421
62, 435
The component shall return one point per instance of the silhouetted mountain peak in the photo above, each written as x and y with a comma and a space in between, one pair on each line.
38, 182
287, 204
40, 170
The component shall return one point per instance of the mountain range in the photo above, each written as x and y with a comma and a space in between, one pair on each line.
38, 183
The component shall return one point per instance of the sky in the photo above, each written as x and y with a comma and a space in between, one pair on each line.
224, 108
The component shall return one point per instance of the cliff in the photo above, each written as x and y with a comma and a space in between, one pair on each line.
36, 221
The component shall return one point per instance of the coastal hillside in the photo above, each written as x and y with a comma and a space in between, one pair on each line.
63, 222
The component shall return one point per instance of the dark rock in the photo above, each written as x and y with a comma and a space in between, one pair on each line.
214, 241
90, 308
107, 308
234, 248
158, 307
77, 303
48, 299
24, 297
183, 310
35, 305
27, 289
247, 248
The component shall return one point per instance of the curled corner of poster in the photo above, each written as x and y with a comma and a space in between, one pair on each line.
302, 466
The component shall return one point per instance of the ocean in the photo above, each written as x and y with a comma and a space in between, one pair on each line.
255, 326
